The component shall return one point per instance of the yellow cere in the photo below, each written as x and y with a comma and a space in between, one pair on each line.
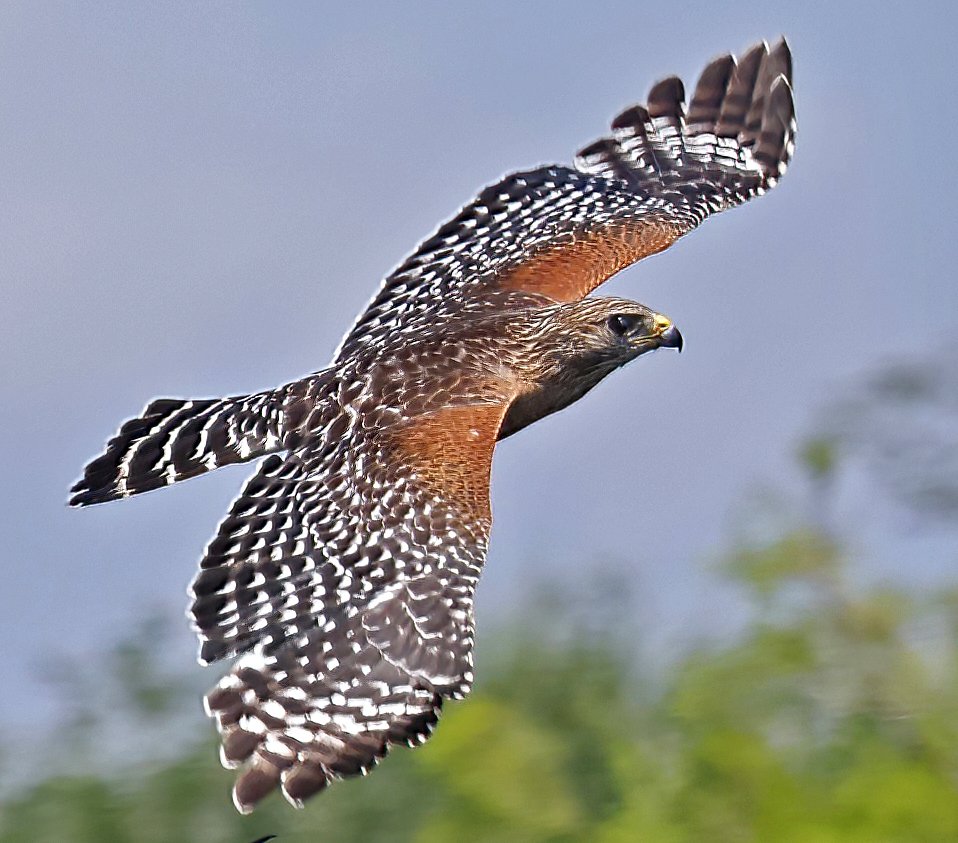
663, 323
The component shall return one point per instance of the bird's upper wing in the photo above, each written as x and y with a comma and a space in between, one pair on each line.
560, 231
344, 573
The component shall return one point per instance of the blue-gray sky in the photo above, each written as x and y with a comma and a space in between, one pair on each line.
198, 198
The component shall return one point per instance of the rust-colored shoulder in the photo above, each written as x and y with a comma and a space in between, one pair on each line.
569, 271
450, 453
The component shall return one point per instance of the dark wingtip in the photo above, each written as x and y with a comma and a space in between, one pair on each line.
630, 118
257, 781
710, 91
667, 98
740, 93
304, 780
776, 140
784, 53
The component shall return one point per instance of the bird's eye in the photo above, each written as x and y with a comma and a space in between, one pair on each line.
624, 323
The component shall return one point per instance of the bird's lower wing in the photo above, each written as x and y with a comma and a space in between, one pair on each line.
561, 231
344, 575
329, 702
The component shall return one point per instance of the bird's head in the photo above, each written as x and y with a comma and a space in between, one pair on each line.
593, 337
566, 349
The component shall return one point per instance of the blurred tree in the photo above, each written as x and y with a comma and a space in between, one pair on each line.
831, 719
903, 421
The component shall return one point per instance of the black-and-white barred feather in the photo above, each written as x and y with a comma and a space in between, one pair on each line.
176, 439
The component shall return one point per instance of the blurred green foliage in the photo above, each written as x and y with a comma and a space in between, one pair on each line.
830, 719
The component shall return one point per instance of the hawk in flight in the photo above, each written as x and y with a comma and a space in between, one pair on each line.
343, 575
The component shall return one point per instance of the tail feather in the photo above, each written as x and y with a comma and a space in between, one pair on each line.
177, 439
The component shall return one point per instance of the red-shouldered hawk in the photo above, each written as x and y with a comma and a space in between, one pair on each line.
343, 575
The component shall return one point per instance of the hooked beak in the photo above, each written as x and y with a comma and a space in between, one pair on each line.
668, 335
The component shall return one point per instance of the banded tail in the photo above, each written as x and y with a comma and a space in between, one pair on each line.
177, 439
